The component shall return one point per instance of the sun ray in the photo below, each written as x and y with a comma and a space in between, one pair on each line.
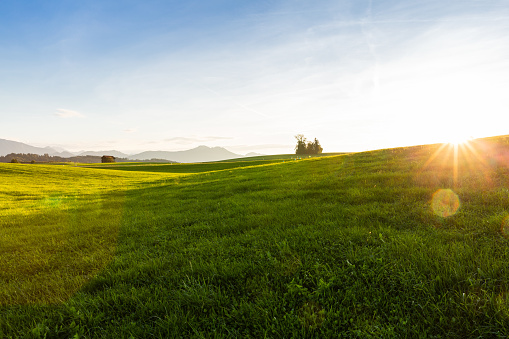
460, 164
475, 153
455, 167
433, 156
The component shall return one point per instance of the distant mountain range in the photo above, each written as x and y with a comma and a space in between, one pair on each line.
198, 154
8, 146
115, 154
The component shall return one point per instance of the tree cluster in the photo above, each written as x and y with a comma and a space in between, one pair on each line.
307, 147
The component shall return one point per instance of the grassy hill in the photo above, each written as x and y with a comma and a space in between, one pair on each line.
284, 157
405, 242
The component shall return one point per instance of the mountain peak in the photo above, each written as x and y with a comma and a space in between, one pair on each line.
199, 154
9, 146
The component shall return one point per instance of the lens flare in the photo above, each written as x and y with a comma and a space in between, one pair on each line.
505, 227
445, 203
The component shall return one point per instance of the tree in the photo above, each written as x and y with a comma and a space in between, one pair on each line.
14, 161
316, 147
304, 147
301, 144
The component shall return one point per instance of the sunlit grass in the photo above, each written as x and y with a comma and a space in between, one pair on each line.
58, 228
406, 242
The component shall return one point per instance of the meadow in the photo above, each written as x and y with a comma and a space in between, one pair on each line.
406, 242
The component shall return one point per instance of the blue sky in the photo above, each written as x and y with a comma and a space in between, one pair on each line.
249, 75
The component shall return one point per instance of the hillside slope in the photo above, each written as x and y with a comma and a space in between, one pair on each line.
405, 242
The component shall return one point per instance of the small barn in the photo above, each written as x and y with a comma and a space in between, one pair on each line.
107, 159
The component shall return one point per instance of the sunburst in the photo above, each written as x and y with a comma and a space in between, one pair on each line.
457, 139
460, 159
465, 153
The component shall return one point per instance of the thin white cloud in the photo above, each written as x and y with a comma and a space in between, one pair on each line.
244, 107
67, 113
130, 130
259, 148
367, 28
191, 140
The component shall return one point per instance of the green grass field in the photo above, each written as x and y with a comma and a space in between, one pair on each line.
405, 242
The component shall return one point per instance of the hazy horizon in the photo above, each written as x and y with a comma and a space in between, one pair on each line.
248, 76
4, 147
148, 150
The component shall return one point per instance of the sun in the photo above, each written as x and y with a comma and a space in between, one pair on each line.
457, 138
